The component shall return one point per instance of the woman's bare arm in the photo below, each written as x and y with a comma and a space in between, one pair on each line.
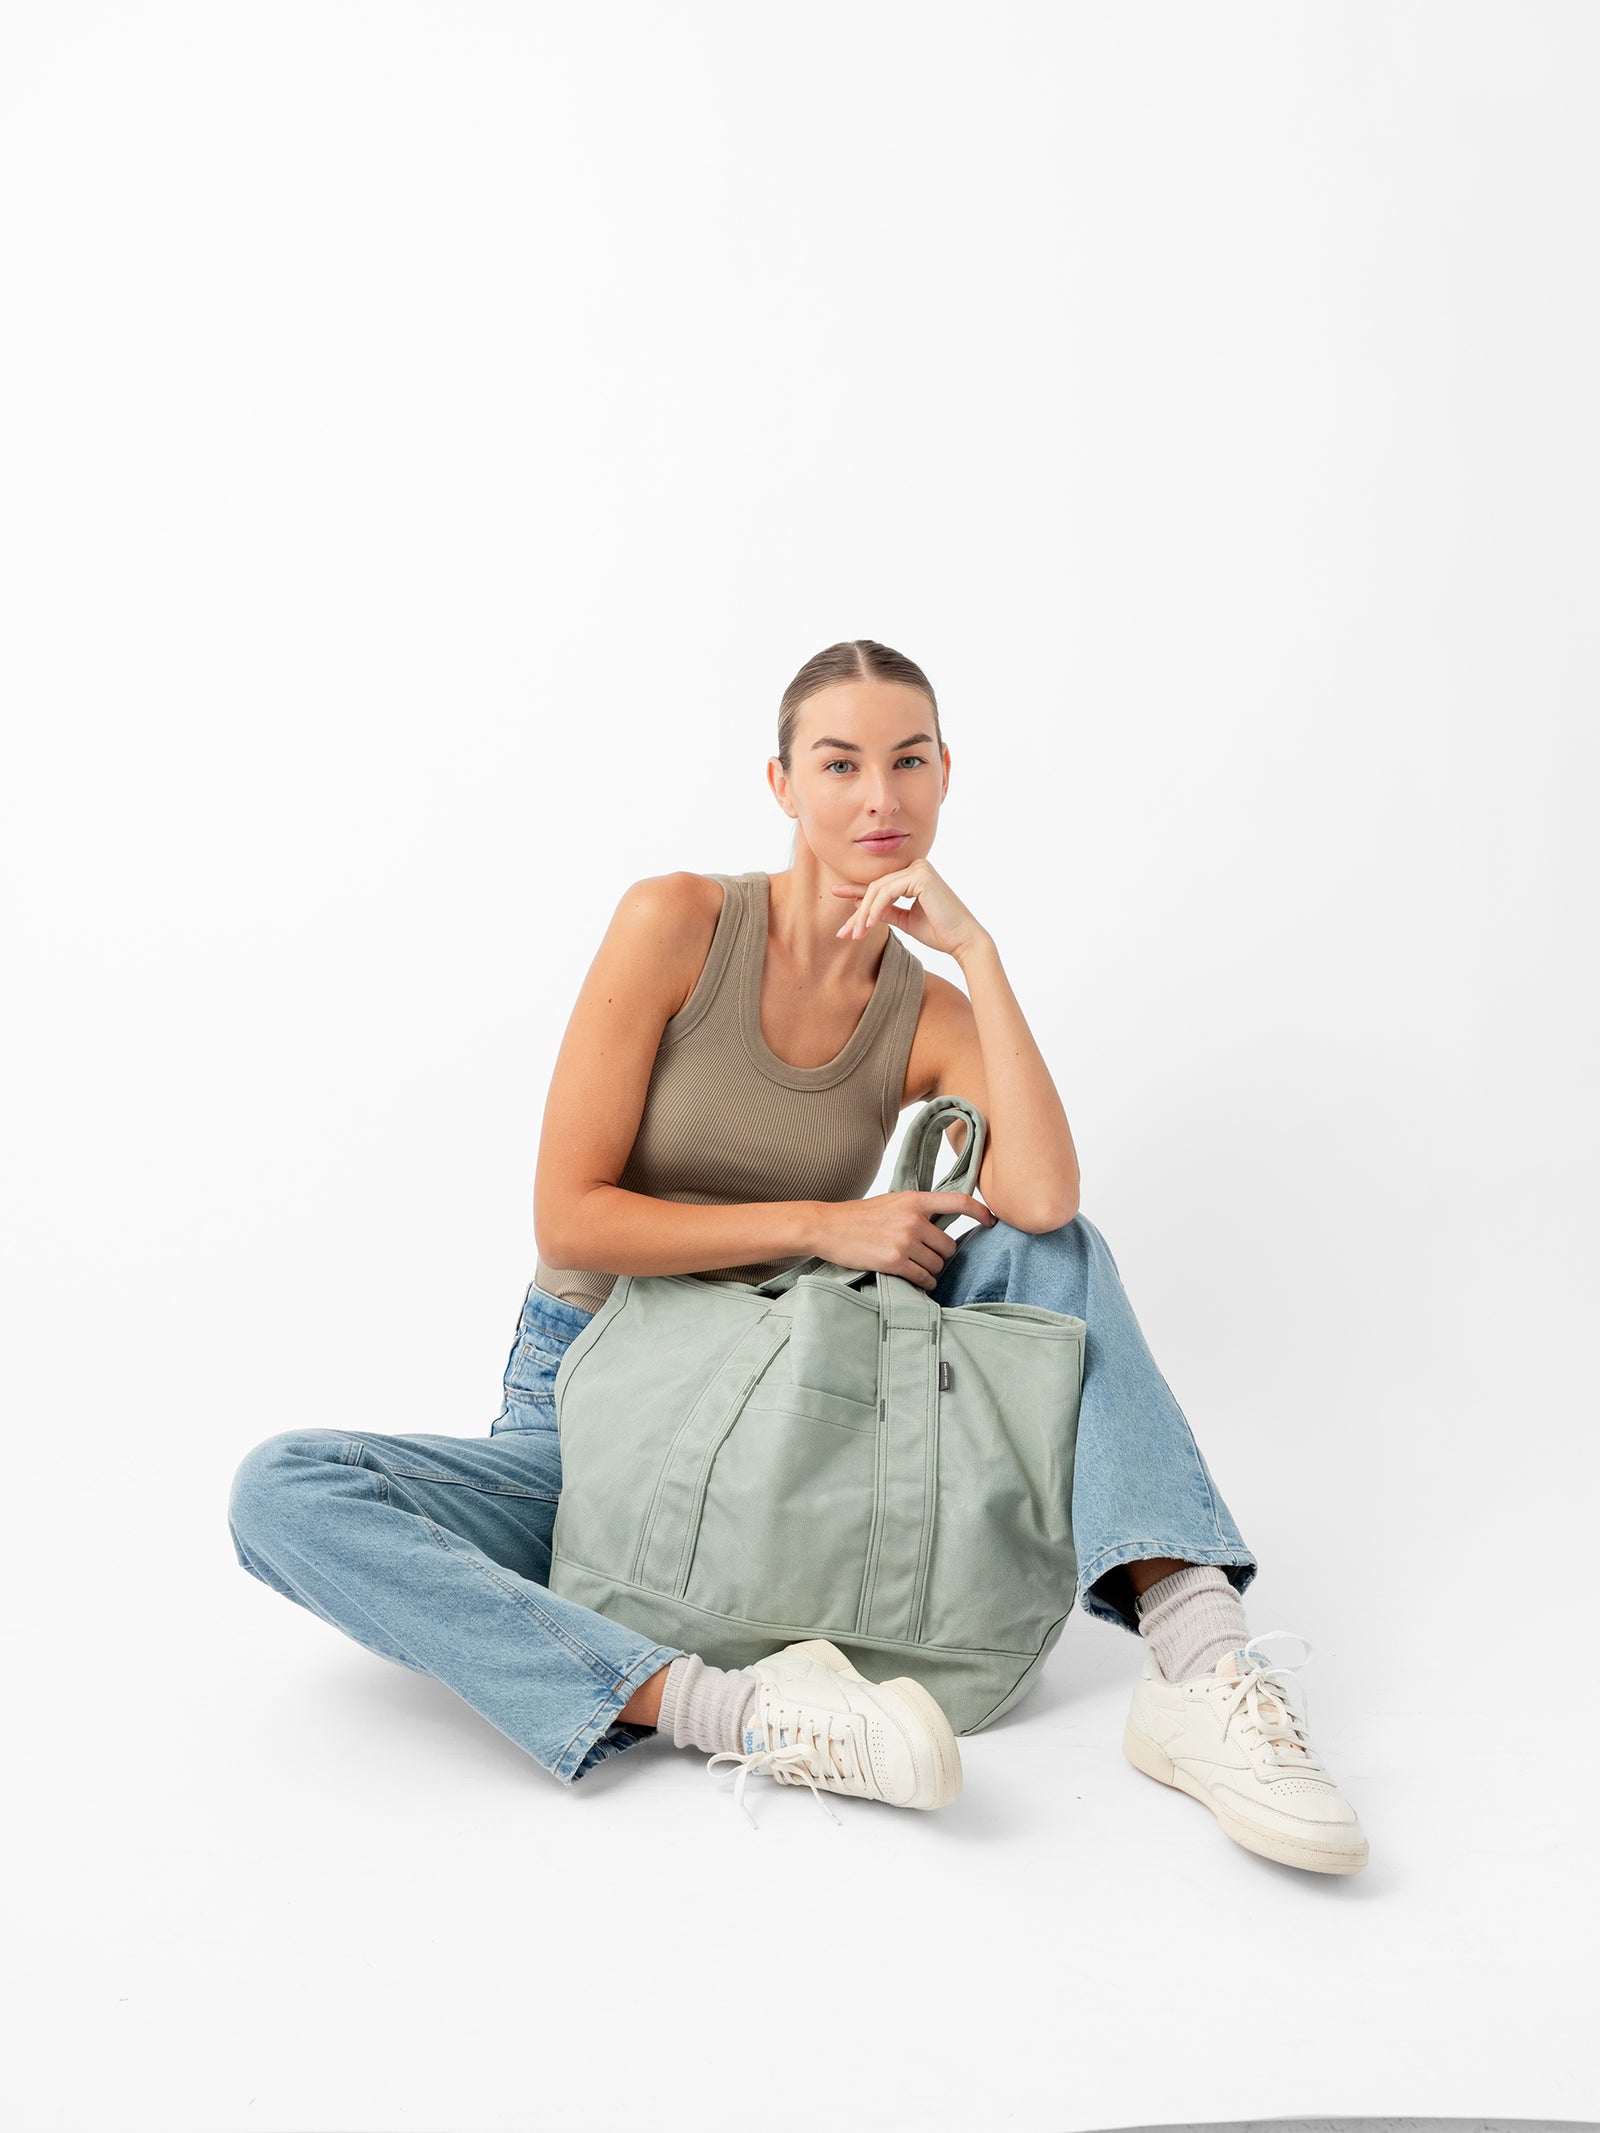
644, 970
633, 1233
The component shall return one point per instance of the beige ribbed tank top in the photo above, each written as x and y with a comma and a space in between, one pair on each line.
725, 1120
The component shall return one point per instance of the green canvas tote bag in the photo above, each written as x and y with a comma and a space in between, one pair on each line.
829, 1454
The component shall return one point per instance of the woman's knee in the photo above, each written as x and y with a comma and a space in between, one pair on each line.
1089, 1241
257, 1494
1078, 1238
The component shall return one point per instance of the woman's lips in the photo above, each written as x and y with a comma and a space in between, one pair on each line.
885, 843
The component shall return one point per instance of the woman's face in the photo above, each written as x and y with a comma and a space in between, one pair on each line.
864, 758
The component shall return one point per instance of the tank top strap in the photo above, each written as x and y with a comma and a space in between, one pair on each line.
712, 997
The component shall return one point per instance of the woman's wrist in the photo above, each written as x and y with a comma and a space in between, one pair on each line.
975, 950
809, 1220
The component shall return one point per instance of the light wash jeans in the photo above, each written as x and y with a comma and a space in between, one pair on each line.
434, 1551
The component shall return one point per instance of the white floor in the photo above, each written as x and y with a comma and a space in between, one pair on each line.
271, 1881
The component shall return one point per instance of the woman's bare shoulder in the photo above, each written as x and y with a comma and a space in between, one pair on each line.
671, 919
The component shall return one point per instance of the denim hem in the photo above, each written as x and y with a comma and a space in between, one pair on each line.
1103, 1610
602, 1735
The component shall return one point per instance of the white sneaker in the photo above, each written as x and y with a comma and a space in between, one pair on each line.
820, 1723
1235, 1739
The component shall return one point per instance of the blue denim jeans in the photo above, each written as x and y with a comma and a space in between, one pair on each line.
434, 1551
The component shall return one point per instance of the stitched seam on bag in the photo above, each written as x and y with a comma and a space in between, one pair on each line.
775, 1337
792, 1629
1018, 1687
869, 1573
929, 1479
801, 1414
647, 1529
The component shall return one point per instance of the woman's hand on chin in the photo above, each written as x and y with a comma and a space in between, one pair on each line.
937, 917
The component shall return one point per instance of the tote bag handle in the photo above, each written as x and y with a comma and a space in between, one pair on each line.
919, 1152
913, 1172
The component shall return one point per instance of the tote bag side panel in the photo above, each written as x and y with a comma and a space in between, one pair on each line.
1001, 1564
619, 1414
1023, 1686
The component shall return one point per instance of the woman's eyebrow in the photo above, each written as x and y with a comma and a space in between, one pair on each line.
854, 750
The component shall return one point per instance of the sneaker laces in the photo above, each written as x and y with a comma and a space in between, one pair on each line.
1274, 1704
824, 1745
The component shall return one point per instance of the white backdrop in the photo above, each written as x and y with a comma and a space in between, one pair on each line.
433, 437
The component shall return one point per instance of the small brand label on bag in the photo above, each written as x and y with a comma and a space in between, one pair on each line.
944, 1377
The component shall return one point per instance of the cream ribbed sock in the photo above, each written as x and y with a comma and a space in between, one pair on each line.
706, 1707
1191, 1617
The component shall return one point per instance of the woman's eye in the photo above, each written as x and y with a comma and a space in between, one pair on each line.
844, 761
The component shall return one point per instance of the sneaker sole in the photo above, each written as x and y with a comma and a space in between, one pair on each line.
946, 1755
1147, 1755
